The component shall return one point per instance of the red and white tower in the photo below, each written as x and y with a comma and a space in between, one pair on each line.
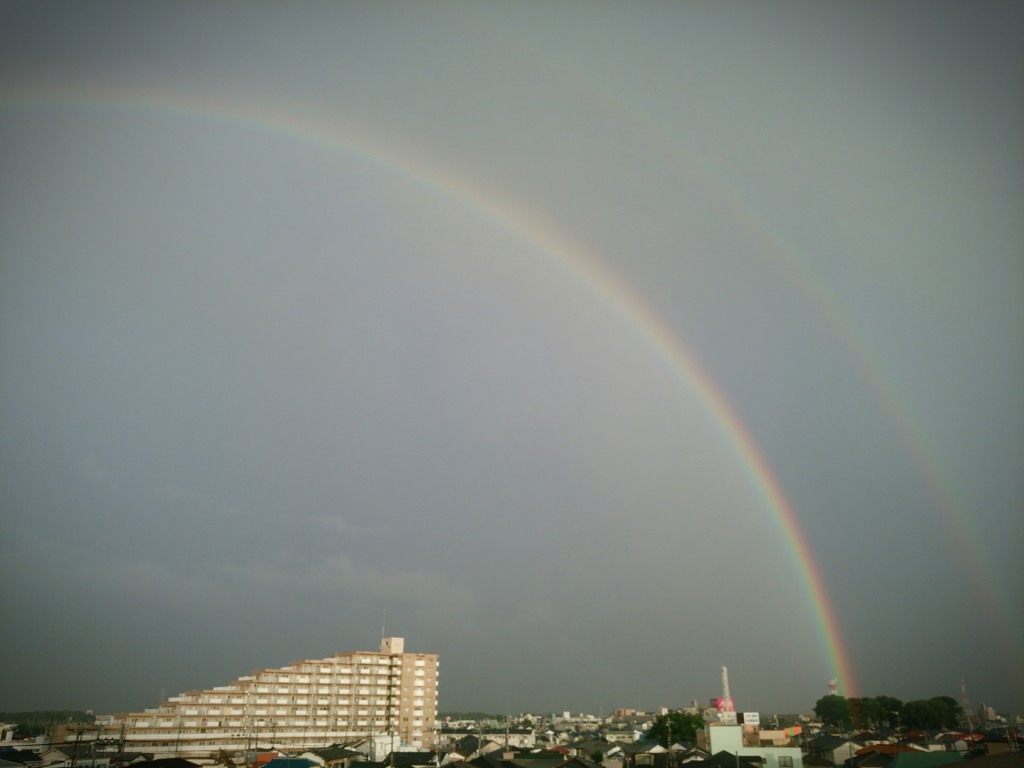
966, 704
725, 704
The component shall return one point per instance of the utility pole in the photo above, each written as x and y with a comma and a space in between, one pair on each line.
74, 752
120, 748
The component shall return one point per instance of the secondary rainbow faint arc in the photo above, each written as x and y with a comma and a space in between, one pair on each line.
569, 253
962, 534
772, 249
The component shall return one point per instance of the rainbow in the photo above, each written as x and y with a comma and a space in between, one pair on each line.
567, 252
952, 508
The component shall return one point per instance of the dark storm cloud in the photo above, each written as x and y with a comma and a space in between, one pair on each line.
262, 393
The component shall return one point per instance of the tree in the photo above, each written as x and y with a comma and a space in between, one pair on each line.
938, 712
833, 711
863, 712
875, 712
952, 712
934, 713
922, 714
891, 710
683, 725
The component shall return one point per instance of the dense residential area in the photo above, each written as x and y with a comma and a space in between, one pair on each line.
379, 710
622, 739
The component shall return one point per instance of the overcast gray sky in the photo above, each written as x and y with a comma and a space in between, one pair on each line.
318, 317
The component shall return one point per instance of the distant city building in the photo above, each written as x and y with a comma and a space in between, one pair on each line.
450, 737
7, 734
620, 736
386, 696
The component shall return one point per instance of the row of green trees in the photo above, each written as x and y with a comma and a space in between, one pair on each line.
838, 712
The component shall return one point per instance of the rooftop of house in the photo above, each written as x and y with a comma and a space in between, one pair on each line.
290, 762
826, 742
641, 747
908, 759
406, 759
170, 762
725, 759
21, 756
334, 752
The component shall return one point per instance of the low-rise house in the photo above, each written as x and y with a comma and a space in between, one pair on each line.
590, 747
725, 759
507, 760
334, 756
508, 738
170, 762
960, 742
469, 747
420, 759
374, 747
836, 750
621, 736
694, 755
131, 758
558, 757
644, 754
887, 749
922, 740
85, 756
24, 757
995, 744
867, 739
908, 759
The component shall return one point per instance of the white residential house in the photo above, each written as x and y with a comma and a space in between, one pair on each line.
729, 738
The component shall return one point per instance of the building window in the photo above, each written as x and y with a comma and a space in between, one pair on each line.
785, 761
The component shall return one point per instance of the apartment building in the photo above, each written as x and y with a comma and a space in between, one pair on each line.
307, 704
